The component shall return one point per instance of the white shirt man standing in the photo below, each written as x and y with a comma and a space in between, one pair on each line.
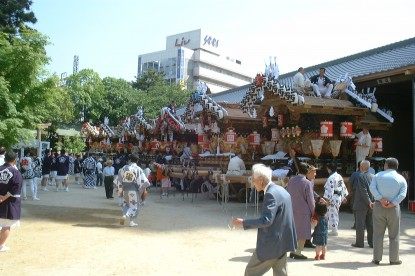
363, 145
300, 82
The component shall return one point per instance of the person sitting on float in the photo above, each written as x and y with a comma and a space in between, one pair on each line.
322, 85
236, 165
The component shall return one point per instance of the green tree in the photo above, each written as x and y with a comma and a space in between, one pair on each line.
26, 99
121, 99
88, 95
14, 14
156, 93
75, 144
147, 80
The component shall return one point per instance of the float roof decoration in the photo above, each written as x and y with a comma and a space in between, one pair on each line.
129, 125
201, 101
168, 121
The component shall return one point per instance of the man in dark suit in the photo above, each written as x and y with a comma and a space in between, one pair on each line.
363, 205
276, 229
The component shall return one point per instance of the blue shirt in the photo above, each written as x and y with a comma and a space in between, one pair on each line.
390, 185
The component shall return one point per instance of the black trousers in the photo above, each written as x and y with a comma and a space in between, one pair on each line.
99, 179
109, 186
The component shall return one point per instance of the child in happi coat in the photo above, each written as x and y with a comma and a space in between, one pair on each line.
319, 220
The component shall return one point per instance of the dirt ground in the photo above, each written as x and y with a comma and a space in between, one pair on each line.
78, 233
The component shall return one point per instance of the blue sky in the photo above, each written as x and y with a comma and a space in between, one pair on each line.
108, 35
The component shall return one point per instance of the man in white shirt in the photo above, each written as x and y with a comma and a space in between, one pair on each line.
236, 166
363, 145
300, 82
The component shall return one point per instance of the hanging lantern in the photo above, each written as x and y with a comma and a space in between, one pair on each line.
201, 139
280, 120
254, 138
317, 146
335, 147
264, 121
274, 134
326, 129
377, 144
230, 136
346, 129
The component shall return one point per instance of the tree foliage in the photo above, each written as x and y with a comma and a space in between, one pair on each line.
87, 94
14, 14
155, 93
26, 99
75, 144
122, 99
147, 80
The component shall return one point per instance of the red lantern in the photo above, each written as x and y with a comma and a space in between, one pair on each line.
346, 129
230, 136
264, 121
280, 120
254, 138
326, 129
377, 144
201, 139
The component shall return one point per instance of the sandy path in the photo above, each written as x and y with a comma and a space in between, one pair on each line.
77, 233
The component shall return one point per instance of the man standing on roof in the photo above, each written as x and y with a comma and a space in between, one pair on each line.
300, 82
322, 85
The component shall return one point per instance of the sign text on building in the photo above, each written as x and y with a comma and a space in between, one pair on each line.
211, 41
181, 42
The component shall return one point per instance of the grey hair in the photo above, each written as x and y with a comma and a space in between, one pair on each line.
260, 170
365, 165
392, 163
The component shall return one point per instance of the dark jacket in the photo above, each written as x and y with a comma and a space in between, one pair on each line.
363, 197
314, 80
276, 229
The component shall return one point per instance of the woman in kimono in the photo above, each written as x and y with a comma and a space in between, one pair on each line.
134, 183
335, 193
89, 166
10, 203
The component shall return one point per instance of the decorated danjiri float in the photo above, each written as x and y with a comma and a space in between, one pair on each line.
320, 130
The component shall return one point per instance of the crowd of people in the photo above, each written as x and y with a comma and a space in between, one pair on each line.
290, 215
376, 200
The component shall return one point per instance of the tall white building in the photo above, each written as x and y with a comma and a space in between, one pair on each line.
193, 56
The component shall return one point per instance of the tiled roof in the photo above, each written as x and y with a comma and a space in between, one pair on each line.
385, 58
233, 95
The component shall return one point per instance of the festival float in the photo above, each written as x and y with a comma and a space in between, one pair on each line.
129, 135
321, 130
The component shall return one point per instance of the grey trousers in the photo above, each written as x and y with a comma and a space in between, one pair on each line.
386, 218
364, 221
256, 268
